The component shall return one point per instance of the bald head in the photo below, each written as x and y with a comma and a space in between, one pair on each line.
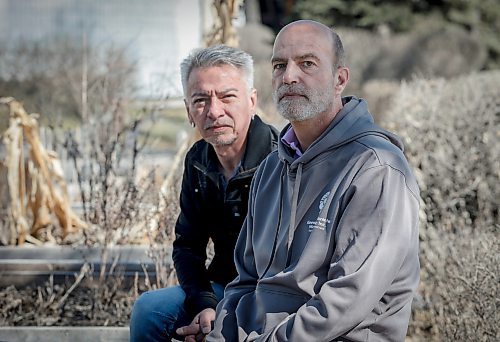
318, 31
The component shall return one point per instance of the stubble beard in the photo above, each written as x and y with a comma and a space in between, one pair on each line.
220, 140
309, 105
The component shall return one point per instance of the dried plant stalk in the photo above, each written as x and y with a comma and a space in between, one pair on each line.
223, 31
46, 195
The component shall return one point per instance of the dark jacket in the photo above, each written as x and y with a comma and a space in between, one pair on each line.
209, 211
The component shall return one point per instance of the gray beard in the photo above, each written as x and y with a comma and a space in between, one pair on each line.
302, 108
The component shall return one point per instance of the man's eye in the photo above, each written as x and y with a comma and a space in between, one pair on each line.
198, 101
278, 66
307, 63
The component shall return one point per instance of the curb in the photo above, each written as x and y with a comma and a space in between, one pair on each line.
73, 334
23, 266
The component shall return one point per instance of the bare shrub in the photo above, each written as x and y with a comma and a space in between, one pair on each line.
66, 79
113, 197
83, 302
431, 49
358, 57
379, 94
470, 287
450, 130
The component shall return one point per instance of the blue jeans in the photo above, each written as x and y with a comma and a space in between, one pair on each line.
157, 314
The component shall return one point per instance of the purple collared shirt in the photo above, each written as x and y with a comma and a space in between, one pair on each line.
290, 139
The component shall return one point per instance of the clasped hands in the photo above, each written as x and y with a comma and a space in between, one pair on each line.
199, 327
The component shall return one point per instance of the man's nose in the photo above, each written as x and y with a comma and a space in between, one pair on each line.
216, 108
291, 74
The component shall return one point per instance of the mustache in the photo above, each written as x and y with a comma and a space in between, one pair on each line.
296, 89
218, 123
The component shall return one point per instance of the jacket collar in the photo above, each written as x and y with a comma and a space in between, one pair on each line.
259, 143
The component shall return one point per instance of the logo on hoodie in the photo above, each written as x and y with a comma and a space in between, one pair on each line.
323, 199
320, 222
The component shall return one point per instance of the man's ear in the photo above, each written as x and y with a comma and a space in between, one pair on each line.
341, 79
253, 99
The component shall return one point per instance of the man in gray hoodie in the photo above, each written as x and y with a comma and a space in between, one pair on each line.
329, 248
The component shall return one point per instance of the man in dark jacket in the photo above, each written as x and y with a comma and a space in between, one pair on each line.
221, 102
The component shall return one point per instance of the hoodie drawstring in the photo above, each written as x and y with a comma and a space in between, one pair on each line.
295, 199
278, 228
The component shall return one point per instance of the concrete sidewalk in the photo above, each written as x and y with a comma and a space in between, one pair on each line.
61, 334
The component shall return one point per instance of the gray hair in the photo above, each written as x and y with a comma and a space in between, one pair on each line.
217, 55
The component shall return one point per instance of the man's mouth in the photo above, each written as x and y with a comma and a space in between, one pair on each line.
216, 127
291, 96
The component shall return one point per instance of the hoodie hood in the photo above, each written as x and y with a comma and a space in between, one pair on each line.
351, 122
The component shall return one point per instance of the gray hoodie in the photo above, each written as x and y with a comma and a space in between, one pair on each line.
329, 248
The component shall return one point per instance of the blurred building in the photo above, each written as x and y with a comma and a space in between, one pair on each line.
156, 34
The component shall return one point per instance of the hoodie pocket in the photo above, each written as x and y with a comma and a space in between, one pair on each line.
275, 305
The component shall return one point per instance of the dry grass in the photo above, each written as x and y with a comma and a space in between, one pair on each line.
82, 302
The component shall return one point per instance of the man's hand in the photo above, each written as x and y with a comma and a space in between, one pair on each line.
199, 327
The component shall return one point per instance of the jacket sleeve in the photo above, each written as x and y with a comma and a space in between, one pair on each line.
376, 249
189, 248
243, 286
